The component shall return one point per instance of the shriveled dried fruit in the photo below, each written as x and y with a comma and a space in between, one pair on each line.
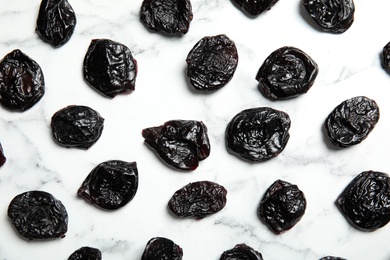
332, 258
254, 7
38, 215
258, 134
110, 68
287, 72
162, 248
179, 143
56, 22
352, 121
365, 202
386, 56
111, 184
282, 206
77, 126
3, 159
241, 251
211, 63
22, 83
198, 200
86, 253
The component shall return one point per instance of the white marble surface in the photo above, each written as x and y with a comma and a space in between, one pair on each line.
349, 66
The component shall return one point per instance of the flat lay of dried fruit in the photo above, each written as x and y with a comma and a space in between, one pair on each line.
254, 7
241, 251
162, 248
86, 253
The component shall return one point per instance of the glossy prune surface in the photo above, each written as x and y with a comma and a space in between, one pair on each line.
287, 72
110, 68
241, 252
365, 202
22, 83
212, 62
386, 56
77, 126
111, 184
258, 134
162, 248
179, 143
352, 121
3, 159
38, 215
332, 258
282, 206
198, 200
254, 7
86, 253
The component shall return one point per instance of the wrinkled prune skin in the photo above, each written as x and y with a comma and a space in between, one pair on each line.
86, 253
110, 68
162, 248
254, 7
335, 16
22, 83
286, 73
352, 121
212, 62
77, 126
56, 22
179, 143
167, 16
111, 184
198, 200
3, 159
258, 134
365, 202
241, 252
282, 206
38, 215
332, 258
386, 56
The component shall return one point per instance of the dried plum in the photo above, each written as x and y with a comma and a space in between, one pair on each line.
241, 251
56, 22
38, 215
179, 143
258, 134
365, 202
198, 200
162, 248
3, 159
77, 126
110, 68
86, 253
352, 121
22, 83
111, 184
211, 63
282, 206
334, 16
331, 258
254, 7
287, 72
386, 56
167, 16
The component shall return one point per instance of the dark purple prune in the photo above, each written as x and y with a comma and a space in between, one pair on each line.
22, 83
38, 215
365, 202
56, 22
211, 63
167, 16
111, 184
3, 159
254, 7
282, 206
110, 68
179, 143
241, 251
198, 200
386, 56
77, 126
332, 258
258, 134
334, 16
86, 253
352, 121
162, 248
287, 72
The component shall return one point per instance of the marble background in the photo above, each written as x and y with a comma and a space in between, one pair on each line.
349, 66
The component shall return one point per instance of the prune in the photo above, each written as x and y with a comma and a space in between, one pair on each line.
258, 134
352, 121
110, 68
56, 22
386, 56
77, 126
86, 253
22, 83
254, 7
241, 251
282, 206
334, 16
211, 63
162, 248
365, 202
111, 184
167, 16
287, 72
332, 258
198, 200
38, 215
3, 159
179, 143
